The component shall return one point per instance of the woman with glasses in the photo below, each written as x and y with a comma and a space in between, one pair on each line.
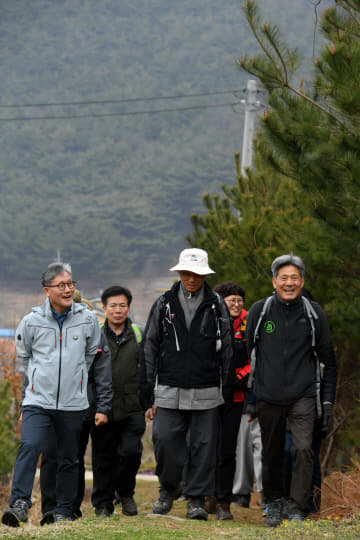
230, 413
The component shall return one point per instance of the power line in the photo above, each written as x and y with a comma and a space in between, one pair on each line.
113, 114
114, 101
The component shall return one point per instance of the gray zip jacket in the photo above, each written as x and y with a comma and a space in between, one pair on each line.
56, 362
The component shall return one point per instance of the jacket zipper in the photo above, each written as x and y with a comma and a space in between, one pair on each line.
60, 355
32, 380
168, 318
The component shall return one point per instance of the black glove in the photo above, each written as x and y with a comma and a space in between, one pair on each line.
241, 382
327, 417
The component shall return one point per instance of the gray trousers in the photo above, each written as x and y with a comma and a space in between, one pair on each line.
248, 457
185, 445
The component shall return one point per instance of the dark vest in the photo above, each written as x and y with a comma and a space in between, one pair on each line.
188, 358
124, 360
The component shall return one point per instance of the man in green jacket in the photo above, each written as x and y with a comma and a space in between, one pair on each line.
117, 446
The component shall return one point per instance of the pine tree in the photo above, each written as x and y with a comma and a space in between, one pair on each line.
313, 138
304, 193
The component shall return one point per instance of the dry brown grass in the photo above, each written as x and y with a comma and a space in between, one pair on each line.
341, 494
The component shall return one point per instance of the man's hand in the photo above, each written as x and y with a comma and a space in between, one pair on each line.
101, 419
327, 417
251, 411
150, 413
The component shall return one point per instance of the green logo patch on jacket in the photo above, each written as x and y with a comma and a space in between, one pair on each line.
269, 327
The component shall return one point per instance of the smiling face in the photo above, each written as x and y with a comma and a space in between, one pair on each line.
191, 282
60, 300
288, 283
235, 303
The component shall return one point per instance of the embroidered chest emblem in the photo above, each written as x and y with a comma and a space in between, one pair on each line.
269, 327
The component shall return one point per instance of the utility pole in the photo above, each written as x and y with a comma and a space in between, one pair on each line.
249, 126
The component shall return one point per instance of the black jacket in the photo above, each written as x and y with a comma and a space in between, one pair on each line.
285, 366
185, 358
99, 387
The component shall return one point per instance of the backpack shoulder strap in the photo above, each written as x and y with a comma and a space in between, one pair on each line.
137, 333
313, 316
265, 308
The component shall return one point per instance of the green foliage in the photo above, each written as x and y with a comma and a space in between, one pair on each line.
7, 442
304, 193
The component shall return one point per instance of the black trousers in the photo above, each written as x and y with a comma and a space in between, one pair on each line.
315, 498
272, 419
230, 417
185, 445
117, 450
49, 467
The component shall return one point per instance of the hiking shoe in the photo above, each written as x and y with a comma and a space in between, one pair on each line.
294, 513
47, 518
16, 514
163, 504
210, 504
58, 518
165, 501
103, 512
223, 511
297, 516
128, 506
243, 500
196, 509
273, 517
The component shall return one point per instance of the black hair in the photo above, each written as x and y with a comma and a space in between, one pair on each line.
228, 288
116, 290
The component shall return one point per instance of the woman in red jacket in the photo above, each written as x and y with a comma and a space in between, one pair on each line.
230, 414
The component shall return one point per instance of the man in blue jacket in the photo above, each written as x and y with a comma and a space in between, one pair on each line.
57, 343
100, 396
187, 350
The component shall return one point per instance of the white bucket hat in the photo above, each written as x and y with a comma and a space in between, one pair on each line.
193, 260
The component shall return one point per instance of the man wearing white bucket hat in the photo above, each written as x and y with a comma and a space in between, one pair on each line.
187, 351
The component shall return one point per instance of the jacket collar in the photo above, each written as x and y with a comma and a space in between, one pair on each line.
294, 302
45, 309
209, 296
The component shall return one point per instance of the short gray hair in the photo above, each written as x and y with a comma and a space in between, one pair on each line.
53, 270
285, 260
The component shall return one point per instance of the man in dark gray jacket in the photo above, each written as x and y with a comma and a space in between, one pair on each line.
289, 339
187, 350
57, 343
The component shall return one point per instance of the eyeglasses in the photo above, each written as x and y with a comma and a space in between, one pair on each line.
62, 286
235, 301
